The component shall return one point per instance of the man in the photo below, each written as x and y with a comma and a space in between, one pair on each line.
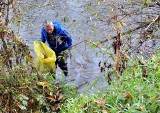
59, 41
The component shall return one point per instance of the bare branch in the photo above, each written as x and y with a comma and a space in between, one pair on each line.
137, 28
155, 20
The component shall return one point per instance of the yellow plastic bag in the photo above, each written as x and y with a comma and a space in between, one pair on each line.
46, 57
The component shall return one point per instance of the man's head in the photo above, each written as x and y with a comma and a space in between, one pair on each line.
49, 27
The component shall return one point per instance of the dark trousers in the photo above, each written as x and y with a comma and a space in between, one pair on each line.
61, 61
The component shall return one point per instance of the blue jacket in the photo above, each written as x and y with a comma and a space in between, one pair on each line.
63, 39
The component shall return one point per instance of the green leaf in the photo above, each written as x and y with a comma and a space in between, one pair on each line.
96, 53
93, 46
25, 97
130, 1
22, 107
148, 2
66, 19
20, 98
100, 16
75, 24
24, 102
104, 49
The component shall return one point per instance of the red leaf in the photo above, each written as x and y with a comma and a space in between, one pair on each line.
127, 95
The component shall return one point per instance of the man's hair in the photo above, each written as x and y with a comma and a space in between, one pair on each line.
47, 23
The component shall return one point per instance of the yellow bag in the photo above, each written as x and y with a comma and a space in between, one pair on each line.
46, 57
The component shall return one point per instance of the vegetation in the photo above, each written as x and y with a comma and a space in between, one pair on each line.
22, 88
132, 71
133, 93
21, 91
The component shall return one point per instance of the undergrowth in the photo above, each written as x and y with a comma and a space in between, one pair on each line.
23, 91
133, 93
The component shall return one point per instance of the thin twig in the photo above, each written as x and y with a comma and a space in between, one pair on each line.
155, 20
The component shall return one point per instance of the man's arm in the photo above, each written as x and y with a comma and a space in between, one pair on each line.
66, 41
42, 36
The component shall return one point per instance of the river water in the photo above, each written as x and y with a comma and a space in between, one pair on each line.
83, 64
77, 16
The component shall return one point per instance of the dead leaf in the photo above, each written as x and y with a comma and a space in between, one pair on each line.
38, 111
29, 58
58, 93
155, 98
85, 107
0, 102
153, 57
42, 83
61, 97
122, 23
104, 111
142, 108
119, 85
18, 38
52, 98
100, 102
53, 108
14, 111
31, 102
127, 95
